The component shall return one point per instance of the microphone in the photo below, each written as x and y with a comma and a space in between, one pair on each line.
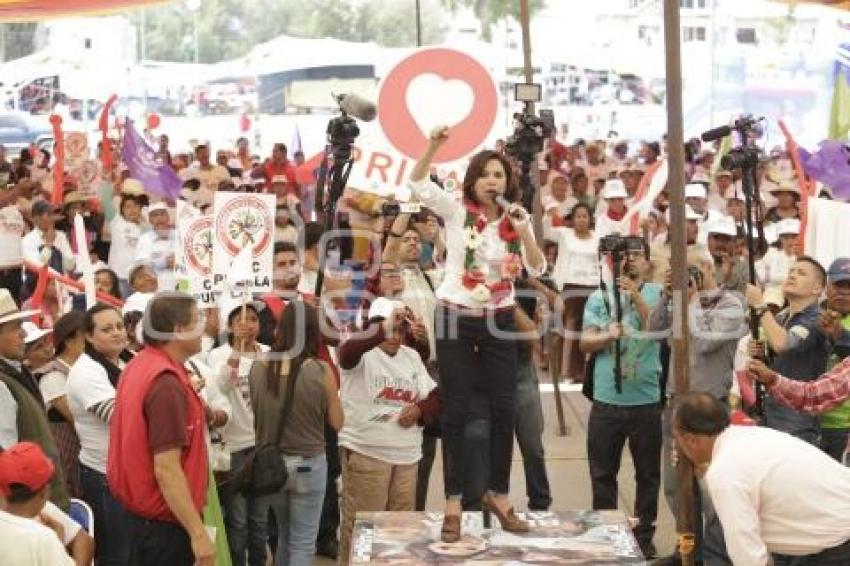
503, 202
716, 133
358, 107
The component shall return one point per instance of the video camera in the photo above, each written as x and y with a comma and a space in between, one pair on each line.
621, 245
396, 208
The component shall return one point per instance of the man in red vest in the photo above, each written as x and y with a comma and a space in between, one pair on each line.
157, 462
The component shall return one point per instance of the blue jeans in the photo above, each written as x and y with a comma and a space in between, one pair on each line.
245, 519
297, 509
796, 423
112, 541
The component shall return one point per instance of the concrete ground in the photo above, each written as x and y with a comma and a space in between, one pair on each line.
566, 458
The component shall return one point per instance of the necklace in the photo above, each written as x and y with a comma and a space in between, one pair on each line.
474, 278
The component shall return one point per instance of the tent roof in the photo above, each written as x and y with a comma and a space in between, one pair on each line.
28, 10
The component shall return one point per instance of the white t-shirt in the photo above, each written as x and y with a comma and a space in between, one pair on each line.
26, 542
773, 268
11, 235
781, 494
373, 394
34, 239
154, 250
88, 385
238, 433
125, 240
70, 528
53, 384
578, 259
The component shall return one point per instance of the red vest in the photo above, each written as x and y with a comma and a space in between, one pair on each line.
130, 470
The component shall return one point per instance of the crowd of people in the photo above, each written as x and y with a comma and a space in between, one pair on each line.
222, 433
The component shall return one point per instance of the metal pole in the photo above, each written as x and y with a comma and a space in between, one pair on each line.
678, 261
418, 24
524, 19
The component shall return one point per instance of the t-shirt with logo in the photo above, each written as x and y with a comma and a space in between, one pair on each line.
373, 395
11, 234
639, 354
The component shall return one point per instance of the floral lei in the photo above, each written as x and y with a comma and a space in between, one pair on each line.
474, 278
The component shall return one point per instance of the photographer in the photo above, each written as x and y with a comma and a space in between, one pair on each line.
716, 321
625, 409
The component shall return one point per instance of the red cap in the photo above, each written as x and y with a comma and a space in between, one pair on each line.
26, 464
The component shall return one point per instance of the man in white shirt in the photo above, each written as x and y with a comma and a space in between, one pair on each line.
26, 537
156, 247
696, 197
44, 243
772, 492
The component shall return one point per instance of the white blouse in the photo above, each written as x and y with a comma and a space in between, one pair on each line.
578, 259
488, 256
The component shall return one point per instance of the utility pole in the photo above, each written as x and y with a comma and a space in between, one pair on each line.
678, 261
418, 24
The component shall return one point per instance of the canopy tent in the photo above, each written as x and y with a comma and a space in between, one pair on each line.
28, 10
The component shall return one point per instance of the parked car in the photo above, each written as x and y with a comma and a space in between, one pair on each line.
19, 130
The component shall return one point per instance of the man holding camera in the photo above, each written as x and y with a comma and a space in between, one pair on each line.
716, 321
796, 345
732, 271
625, 406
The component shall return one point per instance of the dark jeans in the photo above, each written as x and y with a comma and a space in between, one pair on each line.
154, 543
112, 541
833, 441
11, 279
329, 522
835, 556
245, 518
608, 429
467, 352
796, 423
423, 473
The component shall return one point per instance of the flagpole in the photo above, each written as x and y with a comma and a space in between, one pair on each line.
678, 261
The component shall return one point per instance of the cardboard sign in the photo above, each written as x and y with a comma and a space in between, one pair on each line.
426, 88
194, 254
243, 220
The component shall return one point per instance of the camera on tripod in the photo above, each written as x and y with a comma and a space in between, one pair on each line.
620, 245
530, 130
740, 157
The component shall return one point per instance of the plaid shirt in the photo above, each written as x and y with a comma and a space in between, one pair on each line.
822, 394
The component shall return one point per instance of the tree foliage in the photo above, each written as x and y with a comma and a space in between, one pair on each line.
490, 12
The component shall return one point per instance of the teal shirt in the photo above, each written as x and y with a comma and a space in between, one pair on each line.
639, 356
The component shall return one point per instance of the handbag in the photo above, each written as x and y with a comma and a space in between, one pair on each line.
264, 471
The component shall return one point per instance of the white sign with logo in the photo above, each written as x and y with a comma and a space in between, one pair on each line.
194, 254
243, 220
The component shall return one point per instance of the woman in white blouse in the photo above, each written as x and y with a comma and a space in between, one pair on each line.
487, 247
576, 275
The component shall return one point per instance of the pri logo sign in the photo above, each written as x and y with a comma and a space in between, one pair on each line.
245, 221
432, 87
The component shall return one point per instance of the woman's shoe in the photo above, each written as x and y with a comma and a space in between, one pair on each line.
509, 521
451, 528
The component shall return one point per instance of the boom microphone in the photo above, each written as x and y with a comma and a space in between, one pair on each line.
358, 107
716, 133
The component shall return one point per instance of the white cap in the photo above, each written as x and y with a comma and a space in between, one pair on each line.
33, 332
234, 163
384, 308
724, 225
227, 303
137, 302
700, 177
614, 188
695, 190
788, 226
157, 206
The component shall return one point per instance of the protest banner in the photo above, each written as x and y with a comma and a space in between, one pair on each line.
193, 254
243, 220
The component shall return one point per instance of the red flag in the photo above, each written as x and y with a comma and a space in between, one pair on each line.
807, 184
59, 164
38, 295
106, 143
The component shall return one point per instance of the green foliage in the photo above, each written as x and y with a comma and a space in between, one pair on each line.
491, 11
17, 40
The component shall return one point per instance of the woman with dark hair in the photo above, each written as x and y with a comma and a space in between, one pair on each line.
92, 382
576, 275
106, 281
69, 341
126, 224
293, 396
487, 248
245, 515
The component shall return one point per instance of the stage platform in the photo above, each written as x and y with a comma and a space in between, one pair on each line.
566, 537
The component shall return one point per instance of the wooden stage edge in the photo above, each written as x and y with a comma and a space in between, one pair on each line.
565, 537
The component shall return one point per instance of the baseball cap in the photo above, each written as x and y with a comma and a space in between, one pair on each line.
614, 188
839, 270
33, 332
25, 464
724, 226
157, 206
